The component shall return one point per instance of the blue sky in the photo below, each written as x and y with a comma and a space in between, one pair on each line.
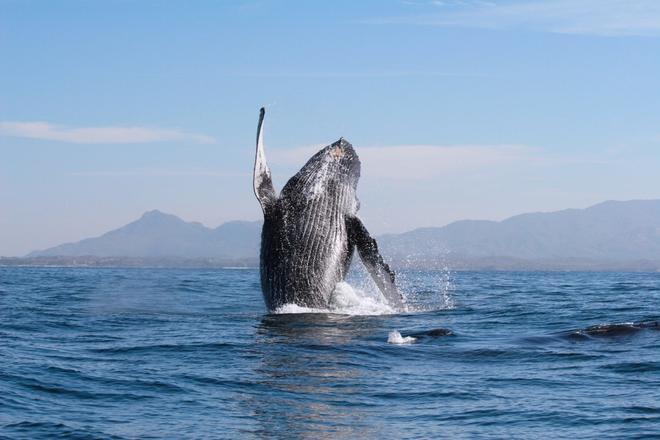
458, 109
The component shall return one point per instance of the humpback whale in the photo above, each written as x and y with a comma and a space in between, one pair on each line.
311, 229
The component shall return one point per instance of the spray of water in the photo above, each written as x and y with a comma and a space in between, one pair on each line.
395, 337
347, 300
423, 291
427, 290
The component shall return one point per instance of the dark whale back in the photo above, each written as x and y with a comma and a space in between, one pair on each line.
305, 249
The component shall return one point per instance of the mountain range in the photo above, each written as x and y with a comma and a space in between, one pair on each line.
610, 230
611, 234
160, 235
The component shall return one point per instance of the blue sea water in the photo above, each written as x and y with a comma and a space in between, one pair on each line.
161, 353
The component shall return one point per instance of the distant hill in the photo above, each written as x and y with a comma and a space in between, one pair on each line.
612, 231
160, 235
610, 235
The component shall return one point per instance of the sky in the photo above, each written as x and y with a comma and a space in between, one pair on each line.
458, 109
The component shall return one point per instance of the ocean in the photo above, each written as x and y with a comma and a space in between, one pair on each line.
107, 353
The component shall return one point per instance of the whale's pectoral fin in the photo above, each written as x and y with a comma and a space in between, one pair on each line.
381, 273
263, 183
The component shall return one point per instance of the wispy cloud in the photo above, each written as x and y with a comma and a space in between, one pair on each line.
162, 172
422, 161
98, 135
587, 17
357, 74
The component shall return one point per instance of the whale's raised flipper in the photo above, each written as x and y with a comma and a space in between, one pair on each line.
381, 273
263, 183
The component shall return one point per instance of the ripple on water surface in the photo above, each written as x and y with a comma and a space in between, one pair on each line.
159, 353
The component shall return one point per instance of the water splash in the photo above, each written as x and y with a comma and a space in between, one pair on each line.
360, 296
430, 292
293, 309
346, 300
356, 301
394, 337
447, 288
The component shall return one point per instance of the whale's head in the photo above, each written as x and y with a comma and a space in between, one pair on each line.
328, 179
338, 163
334, 171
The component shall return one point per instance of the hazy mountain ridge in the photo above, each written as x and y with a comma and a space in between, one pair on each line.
607, 231
608, 235
160, 235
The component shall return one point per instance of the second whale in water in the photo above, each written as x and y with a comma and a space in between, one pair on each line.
311, 229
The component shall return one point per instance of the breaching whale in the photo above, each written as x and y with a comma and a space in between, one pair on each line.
311, 229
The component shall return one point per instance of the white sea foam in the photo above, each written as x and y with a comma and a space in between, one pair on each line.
395, 338
351, 300
295, 308
361, 297
346, 300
